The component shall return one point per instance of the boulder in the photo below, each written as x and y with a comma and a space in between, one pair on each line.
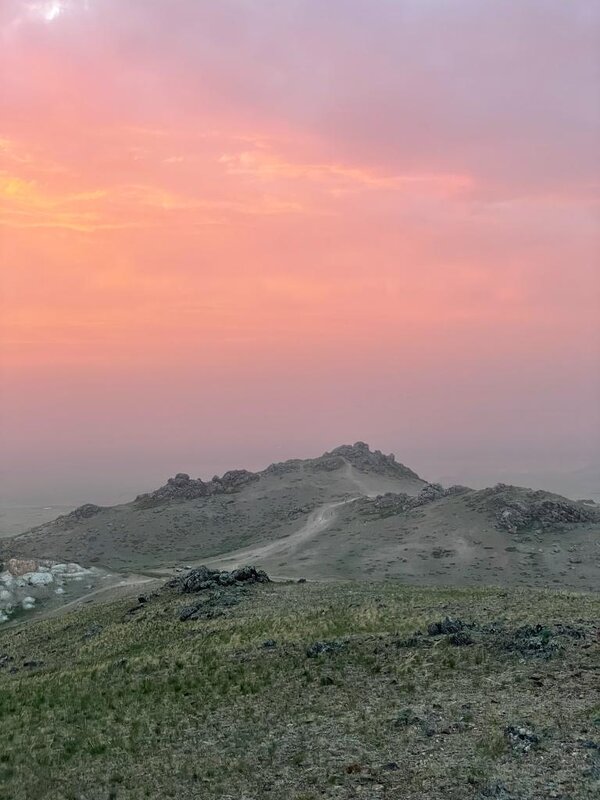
203, 578
38, 578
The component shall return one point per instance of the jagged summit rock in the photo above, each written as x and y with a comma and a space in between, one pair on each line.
358, 455
182, 487
361, 456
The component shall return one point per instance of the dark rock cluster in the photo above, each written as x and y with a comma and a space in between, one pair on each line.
392, 503
323, 648
203, 579
182, 487
545, 514
517, 509
359, 455
214, 587
83, 512
520, 738
363, 458
446, 626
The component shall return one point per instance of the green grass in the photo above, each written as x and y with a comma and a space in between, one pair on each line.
151, 707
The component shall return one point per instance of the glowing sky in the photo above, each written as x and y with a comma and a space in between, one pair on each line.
243, 230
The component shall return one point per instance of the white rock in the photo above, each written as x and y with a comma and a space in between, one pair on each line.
3, 617
76, 569
60, 590
5, 595
38, 578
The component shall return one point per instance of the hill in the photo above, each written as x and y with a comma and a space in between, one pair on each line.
190, 519
350, 513
305, 691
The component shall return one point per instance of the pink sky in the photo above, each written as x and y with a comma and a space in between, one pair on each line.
250, 229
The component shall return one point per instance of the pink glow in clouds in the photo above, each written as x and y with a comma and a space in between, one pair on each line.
239, 231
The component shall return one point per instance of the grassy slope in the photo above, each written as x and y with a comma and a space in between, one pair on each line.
149, 707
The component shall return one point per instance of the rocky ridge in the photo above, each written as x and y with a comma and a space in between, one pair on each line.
182, 487
517, 509
513, 508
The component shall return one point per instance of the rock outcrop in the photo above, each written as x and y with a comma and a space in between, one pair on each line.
517, 509
360, 455
203, 579
182, 487
215, 590
390, 504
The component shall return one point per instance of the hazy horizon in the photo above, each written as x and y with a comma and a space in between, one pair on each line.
243, 232
102, 482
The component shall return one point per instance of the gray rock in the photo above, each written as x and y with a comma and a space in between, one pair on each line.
203, 578
322, 648
446, 626
520, 738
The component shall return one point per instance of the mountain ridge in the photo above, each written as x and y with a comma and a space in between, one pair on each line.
347, 513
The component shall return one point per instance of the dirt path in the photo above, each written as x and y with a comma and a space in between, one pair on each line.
110, 592
317, 522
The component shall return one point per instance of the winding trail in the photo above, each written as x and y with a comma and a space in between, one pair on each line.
318, 520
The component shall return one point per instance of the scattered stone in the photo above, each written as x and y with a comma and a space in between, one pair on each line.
446, 626
521, 739
498, 791
94, 629
406, 718
532, 640
321, 648
187, 613
460, 639
210, 607
269, 644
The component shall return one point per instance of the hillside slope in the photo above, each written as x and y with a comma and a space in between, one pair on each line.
191, 519
306, 692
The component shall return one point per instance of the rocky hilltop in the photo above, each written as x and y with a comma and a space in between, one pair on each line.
358, 455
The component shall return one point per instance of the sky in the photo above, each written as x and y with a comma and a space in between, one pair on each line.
241, 231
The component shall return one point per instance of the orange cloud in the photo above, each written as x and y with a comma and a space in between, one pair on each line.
267, 166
